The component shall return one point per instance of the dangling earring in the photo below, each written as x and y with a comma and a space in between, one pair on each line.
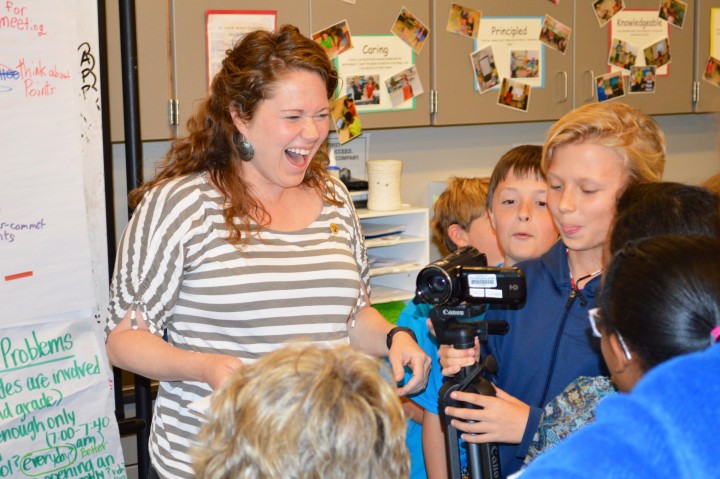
245, 148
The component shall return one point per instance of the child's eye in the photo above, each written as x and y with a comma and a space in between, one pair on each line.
542, 204
292, 117
323, 116
508, 202
555, 187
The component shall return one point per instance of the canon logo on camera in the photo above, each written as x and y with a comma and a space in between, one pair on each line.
453, 312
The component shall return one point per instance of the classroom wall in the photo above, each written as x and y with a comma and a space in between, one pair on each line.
434, 153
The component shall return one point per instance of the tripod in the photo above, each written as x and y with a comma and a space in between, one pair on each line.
483, 459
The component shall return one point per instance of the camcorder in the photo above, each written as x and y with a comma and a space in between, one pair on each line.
460, 286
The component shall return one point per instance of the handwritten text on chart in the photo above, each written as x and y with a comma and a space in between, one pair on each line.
14, 16
9, 230
33, 408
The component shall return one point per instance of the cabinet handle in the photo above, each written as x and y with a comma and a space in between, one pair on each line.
565, 86
592, 84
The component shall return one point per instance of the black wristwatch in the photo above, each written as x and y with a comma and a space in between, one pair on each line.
398, 329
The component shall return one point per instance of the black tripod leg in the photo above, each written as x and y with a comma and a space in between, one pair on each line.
453, 451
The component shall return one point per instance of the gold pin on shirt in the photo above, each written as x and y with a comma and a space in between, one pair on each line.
334, 228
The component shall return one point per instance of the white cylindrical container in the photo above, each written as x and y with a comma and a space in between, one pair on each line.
384, 185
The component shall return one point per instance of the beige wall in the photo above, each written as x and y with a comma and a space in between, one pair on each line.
433, 154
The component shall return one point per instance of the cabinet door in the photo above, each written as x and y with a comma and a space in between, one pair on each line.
708, 25
639, 26
377, 17
189, 43
512, 29
153, 70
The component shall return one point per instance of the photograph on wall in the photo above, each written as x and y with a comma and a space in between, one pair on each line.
610, 86
642, 79
712, 71
224, 28
622, 54
673, 12
364, 69
514, 94
486, 73
410, 30
555, 34
464, 21
606, 9
524, 63
658, 54
346, 119
364, 89
335, 39
505, 35
641, 28
404, 86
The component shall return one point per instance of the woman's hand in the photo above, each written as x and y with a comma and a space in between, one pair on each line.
217, 368
405, 351
502, 418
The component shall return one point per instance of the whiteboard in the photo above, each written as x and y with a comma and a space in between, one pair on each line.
56, 403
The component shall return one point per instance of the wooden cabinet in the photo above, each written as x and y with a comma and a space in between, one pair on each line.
190, 83
154, 72
459, 100
395, 258
172, 59
673, 89
708, 23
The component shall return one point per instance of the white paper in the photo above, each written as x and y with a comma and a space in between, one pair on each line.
55, 402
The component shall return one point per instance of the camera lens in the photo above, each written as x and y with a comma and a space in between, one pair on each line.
434, 285
438, 284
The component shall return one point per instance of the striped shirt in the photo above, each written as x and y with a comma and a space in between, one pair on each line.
174, 263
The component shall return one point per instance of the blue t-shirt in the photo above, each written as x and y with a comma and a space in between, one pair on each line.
415, 316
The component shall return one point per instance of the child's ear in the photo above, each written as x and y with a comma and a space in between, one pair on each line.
458, 235
492, 219
621, 361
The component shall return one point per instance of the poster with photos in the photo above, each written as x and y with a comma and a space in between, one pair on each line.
644, 30
364, 70
508, 37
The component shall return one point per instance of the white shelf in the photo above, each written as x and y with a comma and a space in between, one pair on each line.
391, 240
400, 257
382, 294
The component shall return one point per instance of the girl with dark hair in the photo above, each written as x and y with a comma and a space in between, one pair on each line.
243, 243
660, 300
